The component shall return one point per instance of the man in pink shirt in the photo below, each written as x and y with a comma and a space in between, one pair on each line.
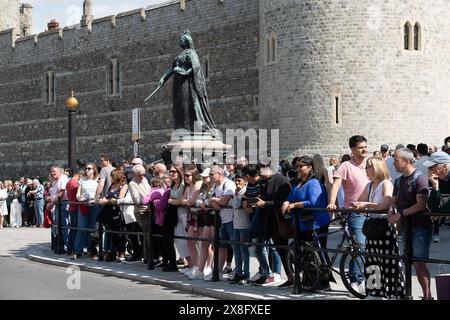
353, 177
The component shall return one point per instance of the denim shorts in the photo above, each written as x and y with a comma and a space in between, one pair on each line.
226, 233
421, 242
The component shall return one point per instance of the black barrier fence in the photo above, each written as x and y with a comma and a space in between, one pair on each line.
297, 247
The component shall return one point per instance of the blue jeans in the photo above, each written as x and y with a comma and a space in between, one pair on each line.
65, 221
226, 233
262, 255
355, 223
241, 253
39, 211
85, 221
72, 233
420, 242
275, 258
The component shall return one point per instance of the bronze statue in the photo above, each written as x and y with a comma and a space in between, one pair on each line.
190, 100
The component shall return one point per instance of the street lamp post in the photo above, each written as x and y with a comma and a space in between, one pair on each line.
72, 105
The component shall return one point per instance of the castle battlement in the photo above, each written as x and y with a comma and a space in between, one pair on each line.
155, 17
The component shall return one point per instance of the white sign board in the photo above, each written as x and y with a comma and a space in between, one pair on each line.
136, 124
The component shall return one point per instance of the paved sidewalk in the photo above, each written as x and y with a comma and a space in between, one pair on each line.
34, 245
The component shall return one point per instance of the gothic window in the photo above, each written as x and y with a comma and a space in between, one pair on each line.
114, 77
49, 87
407, 35
270, 49
417, 37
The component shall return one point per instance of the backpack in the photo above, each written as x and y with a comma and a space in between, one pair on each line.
416, 174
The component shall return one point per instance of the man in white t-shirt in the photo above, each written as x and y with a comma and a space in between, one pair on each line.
224, 190
59, 195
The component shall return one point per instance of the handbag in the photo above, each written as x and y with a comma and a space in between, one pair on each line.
375, 229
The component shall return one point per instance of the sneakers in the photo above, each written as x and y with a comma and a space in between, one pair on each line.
265, 281
227, 270
186, 271
207, 276
362, 288
196, 274
255, 277
236, 279
277, 277
355, 286
436, 239
287, 284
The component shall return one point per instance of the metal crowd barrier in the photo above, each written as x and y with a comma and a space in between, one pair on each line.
297, 247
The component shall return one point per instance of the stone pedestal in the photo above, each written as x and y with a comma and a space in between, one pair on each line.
197, 149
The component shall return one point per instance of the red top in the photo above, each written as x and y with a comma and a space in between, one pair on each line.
71, 191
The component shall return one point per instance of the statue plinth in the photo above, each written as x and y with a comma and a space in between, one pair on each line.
197, 147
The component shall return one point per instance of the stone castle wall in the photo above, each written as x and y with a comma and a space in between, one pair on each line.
34, 135
353, 50
9, 14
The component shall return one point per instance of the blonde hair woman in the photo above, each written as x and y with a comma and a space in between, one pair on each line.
384, 277
87, 212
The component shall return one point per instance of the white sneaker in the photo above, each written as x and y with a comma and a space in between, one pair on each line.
207, 271
277, 277
436, 239
196, 274
255, 277
186, 271
355, 286
193, 271
207, 277
362, 288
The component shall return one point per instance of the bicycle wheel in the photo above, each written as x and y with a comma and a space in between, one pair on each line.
344, 267
309, 269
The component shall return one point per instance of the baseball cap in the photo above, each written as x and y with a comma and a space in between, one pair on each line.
384, 147
205, 173
437, 158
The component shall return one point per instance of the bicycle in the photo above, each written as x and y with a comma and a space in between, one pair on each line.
314, 265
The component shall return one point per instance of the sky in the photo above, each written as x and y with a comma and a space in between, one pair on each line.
69, 12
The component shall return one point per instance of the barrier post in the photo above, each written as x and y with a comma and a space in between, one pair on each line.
297, 285
150, 264
60, 240
408, 255
100, 240
215, 271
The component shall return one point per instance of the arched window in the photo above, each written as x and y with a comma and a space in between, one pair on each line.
407, 33
49, 87
271, 49
114, 77
417, 36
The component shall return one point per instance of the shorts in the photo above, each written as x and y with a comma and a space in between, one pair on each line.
421, 242
195, 219
226, 232
208, 220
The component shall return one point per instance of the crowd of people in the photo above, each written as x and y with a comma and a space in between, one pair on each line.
255, 204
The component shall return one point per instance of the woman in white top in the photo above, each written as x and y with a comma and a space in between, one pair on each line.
193, 184
384, 277
88, 211
16, 207
3, 207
